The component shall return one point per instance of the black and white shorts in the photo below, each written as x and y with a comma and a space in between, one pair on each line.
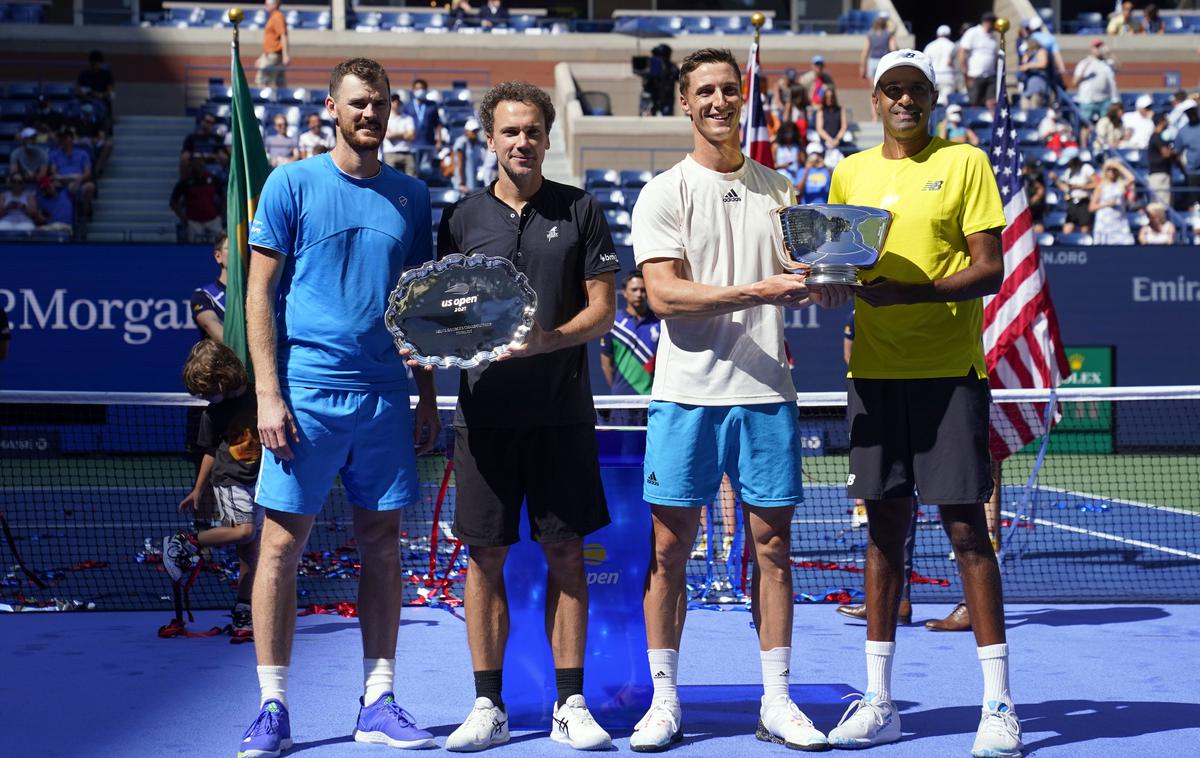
927, 436
235, 505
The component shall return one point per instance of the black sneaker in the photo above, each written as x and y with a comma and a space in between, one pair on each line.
242, 628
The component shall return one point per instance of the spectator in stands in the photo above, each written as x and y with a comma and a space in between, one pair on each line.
18, 207
96, 83
281, 147
198, 201
813, 184
43, 112
831, 120
55, 209
1160, 157
880, 41
1095, 83
74, 168
786, 151
28, 158
427, 125
1049, 125
942, 53
272, 64
1158, 230
977, 51
1152, 22
459, 12
782, 94
1046, 38
953, 129
494, 14
208, 301
316, 139
1123, 21
397, 143
627, 352
1187, 146
90, 134
206, 144
1077, 183
1062, 139
467, 152
1035, 192
1180, 102
1036, 68
1110, 202
1110, 130
1139, 124
815, 80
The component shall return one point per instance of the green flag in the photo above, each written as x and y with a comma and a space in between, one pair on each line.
248, 169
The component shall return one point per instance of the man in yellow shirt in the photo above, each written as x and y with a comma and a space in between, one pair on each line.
918, 393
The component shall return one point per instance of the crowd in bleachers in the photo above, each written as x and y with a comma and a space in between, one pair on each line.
54, 144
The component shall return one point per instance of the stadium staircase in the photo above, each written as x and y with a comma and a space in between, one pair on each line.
135, 192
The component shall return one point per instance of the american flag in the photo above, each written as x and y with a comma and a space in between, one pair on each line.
756, 140
1020, 329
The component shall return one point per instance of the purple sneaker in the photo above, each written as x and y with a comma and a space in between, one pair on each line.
386, 723
270, 734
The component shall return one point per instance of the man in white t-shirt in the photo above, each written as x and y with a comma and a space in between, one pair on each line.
722, 400
1095, 83
943, 52
1140, 123
977, 52
397, 142
316, 139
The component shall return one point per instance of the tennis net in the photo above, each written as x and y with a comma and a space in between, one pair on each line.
90, 483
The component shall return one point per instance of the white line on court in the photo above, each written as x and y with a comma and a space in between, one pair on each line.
1106, 536
1135, 503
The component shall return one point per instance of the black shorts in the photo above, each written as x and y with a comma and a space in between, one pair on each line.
982, 88
1078, 213
555, 470
927, 436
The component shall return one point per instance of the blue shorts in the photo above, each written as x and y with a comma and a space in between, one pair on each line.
364, 436
689, 447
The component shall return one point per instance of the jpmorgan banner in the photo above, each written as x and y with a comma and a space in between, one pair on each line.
100, 317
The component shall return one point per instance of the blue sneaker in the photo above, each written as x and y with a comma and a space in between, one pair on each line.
386, 723
270, 734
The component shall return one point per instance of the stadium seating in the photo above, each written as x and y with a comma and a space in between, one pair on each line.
22, 13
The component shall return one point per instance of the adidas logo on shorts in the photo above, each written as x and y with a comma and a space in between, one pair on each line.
731, 197
652, 479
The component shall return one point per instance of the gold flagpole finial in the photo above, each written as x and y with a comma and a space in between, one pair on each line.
236, 16
1002, 26
757, 20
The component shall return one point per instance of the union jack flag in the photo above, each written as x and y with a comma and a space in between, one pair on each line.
756, 140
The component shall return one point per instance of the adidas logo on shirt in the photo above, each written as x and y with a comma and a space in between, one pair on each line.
652, 479
732, 197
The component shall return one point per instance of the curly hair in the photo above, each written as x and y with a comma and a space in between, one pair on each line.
706, 55
212, 368
515, 92
366, 70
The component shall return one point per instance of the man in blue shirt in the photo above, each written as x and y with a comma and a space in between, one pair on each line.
627, 352
58, 212
427, 125
1187, 145
331, 236
74, 168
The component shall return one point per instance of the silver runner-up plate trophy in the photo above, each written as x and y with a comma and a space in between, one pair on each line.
835, 241
460, 311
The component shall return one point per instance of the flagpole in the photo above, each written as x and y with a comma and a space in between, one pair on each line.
1002, 26
757, 20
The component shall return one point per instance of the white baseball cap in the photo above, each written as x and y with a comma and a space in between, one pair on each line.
471, 125
943, 31
1034, 23
815, 148
1144, 101
905, 57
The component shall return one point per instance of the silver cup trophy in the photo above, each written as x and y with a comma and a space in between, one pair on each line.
460, 311
835, 241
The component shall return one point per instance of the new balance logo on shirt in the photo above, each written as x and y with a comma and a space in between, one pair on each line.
732, 197
933, 186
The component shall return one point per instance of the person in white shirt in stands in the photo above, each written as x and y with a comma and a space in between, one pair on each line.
943, 53
316, 139
281, 147
397, 144
977, 52
1095, 83
723, 399
1139, 123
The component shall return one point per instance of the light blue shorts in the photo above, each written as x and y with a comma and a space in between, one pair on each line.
364, 436
689, 447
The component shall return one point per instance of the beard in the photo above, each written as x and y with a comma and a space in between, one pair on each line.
360, 141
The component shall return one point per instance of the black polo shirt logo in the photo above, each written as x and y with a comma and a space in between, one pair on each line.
552, 234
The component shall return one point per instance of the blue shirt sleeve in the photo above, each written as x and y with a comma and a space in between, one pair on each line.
275, 221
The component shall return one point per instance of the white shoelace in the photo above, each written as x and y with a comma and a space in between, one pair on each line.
659, 712
1002, 724
858, 705
796, 714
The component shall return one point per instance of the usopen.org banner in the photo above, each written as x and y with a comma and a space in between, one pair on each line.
100, 317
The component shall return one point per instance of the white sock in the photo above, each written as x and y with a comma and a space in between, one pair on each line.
994, 660
378, 677
879, 669
664, 668
272, 683
776, 671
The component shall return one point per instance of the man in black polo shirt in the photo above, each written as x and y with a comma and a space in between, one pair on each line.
525, 425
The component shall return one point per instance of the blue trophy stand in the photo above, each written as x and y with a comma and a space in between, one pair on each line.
616, 676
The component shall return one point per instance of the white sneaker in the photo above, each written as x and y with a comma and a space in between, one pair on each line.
486, 725
659, 729
574, 726
999, 734
868, 721
781, 721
